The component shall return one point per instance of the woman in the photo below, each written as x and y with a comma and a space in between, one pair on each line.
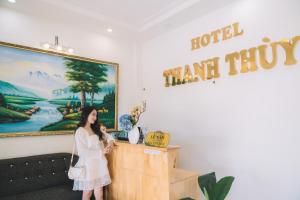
89, 142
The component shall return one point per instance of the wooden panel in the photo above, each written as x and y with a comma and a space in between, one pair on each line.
141, 172
185, 188
128, 186
150, 188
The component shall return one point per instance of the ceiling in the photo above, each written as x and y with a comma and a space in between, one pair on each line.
131, 13
142, 18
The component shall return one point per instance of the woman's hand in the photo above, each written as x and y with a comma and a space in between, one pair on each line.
108, 148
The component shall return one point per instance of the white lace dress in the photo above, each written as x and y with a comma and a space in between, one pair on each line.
92, 158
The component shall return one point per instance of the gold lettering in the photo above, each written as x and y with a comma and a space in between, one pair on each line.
213, 68
231, 58
248, 60
289, 47
188, 76
214, 34
209, 68
205, 40
199, 71
167, 74
226, 32
262, 55
176, 76
195, 43
236, 31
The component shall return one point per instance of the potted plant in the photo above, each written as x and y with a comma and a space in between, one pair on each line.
129, 123
212, 189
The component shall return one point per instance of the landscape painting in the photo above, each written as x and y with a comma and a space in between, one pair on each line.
42, 93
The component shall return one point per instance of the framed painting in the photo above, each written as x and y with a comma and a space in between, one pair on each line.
43, 92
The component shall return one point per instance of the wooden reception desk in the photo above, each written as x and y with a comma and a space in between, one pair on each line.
141, 172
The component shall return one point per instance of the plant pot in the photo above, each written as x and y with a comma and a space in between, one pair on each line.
134, 135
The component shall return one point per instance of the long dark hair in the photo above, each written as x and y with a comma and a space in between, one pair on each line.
86, 111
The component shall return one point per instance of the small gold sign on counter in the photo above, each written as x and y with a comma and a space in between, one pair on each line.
157, 139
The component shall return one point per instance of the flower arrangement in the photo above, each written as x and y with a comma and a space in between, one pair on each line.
127, 122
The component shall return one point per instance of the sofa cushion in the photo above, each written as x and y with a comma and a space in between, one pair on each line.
62, 192
27, 174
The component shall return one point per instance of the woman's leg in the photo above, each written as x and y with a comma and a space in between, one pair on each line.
98, 193
86, 194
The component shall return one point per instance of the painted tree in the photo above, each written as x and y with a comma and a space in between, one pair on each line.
98, 76
78, 74
85, 77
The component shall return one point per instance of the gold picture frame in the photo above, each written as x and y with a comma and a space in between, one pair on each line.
111, 86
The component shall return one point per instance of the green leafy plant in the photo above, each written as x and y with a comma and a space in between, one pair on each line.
212, 189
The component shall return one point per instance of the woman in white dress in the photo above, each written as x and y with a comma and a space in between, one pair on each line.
91, 151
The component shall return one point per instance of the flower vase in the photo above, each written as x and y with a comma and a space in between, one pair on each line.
134, 135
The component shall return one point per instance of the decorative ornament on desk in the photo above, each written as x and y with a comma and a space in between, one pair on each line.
157, 139
128, 123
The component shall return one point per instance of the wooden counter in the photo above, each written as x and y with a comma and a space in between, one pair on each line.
141, 172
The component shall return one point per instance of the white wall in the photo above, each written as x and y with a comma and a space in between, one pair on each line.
30, 30
246, 125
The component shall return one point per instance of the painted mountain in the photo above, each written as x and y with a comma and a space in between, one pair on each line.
10, 89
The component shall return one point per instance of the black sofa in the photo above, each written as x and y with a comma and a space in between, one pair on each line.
41, 177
